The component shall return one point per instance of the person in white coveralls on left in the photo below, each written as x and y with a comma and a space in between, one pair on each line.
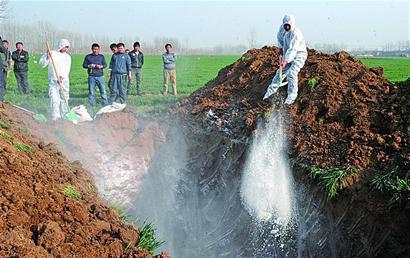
62, 61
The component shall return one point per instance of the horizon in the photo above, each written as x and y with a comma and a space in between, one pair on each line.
197, 24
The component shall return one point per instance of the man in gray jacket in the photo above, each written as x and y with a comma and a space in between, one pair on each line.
169, 58
137, 61
20, 58
6, 62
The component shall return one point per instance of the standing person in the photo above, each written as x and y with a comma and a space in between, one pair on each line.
20, 58
62, 62
137, 61
95, 63
169, 58
2, 89
293, 46
6, 62
120, 66
114, 50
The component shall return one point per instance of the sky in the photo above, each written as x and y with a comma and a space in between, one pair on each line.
204, 24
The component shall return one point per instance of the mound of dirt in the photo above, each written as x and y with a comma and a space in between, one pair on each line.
346, 113
116, 148
38, 219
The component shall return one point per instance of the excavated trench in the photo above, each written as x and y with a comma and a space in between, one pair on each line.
192, 193
216, 181
187, 182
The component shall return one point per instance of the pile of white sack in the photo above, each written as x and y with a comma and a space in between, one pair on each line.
84, 116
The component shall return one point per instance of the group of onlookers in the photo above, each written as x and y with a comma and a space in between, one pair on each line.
124, 68
20, 58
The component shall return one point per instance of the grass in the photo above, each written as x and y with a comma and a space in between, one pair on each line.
192, 73
147, 239
5, 136
70, 190
332, 178
398, 188
312, 83
321, 121
18, 145
22, 147
122, 214
4, 125
395, 68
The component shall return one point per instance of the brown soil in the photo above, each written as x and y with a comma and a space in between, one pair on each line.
353, 116
116, 147
37, 219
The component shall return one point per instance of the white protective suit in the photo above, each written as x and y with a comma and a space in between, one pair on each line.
63, 65
295, 53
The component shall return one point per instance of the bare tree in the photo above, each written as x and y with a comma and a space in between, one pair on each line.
3, 9
252, 38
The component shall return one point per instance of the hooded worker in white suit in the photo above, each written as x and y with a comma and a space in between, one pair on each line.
293, 46
62, 63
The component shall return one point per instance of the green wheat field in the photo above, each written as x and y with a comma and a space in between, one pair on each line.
192, 73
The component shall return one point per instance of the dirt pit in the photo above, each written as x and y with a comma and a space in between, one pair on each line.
116, 148
346, 115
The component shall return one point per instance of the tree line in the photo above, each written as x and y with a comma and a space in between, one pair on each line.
35, 36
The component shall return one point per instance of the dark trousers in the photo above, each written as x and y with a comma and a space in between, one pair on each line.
2, 89
110, 85
93, 83
119, 87
5, 76
136, 74
22, 82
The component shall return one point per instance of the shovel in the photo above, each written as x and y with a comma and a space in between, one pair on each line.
71, 116
275, 86
36, 116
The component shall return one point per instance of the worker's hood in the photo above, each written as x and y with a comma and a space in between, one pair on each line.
62, 43
289, 19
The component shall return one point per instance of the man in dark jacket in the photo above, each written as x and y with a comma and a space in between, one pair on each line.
137, 61
120, 66
2, 89
95, 63
20, 58
6, 62
114, 50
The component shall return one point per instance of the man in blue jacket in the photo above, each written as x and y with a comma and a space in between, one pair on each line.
120, 66
95, 63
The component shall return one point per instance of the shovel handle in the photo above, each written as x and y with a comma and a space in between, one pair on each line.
280, 68
56, 74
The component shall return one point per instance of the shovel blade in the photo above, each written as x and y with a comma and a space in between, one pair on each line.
273, 88
40, 118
